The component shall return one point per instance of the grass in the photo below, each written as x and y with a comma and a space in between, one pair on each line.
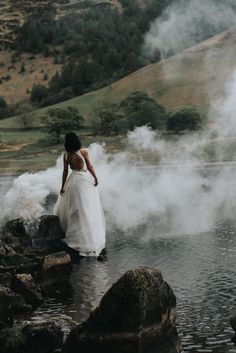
34, 150
185, 80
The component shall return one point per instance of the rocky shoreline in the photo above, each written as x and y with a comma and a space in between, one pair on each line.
137, 314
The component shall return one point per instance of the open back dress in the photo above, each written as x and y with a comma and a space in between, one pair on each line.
81, 214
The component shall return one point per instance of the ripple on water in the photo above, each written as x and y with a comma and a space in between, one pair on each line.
201, 270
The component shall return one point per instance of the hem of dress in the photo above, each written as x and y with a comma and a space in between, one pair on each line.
84, 253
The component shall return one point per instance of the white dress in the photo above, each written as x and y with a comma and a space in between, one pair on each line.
81, 214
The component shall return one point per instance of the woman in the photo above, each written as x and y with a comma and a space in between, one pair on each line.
78, 206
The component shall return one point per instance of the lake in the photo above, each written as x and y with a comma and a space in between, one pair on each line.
200, 268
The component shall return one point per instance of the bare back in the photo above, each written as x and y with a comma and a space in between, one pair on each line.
76, 160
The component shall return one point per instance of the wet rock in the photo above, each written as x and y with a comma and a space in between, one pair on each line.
233, 325
17, 229
2, 251
9, 250
25, 285
136, 315
12, 340
18, 263
42, 337
13, 241
10, 304
5, 279
49, 233
56, 267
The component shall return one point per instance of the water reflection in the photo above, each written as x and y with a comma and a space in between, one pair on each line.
200, 268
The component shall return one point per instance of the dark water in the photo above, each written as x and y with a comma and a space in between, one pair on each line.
201, 270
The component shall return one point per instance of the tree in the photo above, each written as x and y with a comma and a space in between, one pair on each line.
184, 119
38, 93
140, 109
3, 103
25, 118
59, 120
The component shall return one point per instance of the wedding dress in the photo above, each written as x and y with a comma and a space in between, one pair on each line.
81, 214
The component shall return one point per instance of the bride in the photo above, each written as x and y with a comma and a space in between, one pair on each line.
78, 206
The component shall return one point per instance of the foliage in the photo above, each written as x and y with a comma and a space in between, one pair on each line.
141, 109
60, 120
5, 110
38, 93
136, 110
101, 44
108, 120
185, 119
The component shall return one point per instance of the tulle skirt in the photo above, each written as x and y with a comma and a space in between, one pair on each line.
81, 214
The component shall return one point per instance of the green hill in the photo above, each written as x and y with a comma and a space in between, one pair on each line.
192, 78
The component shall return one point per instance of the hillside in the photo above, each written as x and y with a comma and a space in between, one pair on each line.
13, 13
193, 78
14, 85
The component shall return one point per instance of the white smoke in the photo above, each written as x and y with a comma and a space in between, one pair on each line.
187, 22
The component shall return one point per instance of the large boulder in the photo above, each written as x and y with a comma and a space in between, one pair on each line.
137, 315
25, 285
49, 233
56, 268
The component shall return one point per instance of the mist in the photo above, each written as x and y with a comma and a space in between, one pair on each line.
187, 22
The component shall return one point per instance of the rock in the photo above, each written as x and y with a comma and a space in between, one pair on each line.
11, 340
2, 251
136, 315
17, 228
18, 263
5, 279
56, 267
49, 233
13, 241
10, 304
42, 337
25, 285
9, 250
233, 325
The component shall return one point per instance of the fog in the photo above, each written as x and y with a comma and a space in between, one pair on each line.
179, 193
187, 22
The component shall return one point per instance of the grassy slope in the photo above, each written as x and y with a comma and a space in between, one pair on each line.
192, 78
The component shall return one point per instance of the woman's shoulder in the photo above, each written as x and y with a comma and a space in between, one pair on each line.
84, 151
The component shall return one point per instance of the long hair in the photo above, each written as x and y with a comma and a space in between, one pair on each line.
72, 142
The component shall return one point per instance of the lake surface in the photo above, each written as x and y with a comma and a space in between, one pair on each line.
200, 268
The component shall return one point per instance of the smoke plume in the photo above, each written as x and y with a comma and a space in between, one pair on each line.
187, 22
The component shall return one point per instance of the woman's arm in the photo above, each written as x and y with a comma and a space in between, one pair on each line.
89, 165
64, 174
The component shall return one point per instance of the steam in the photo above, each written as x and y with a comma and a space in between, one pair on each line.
164, 185
187, 22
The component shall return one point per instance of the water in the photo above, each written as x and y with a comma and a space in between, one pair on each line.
200, 268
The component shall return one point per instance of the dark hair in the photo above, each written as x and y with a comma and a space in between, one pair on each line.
72, 142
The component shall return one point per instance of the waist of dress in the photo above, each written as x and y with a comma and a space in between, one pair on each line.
79, 170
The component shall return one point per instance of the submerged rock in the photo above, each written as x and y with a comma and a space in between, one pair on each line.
49, 233
137, 315
25, 285
56, 267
